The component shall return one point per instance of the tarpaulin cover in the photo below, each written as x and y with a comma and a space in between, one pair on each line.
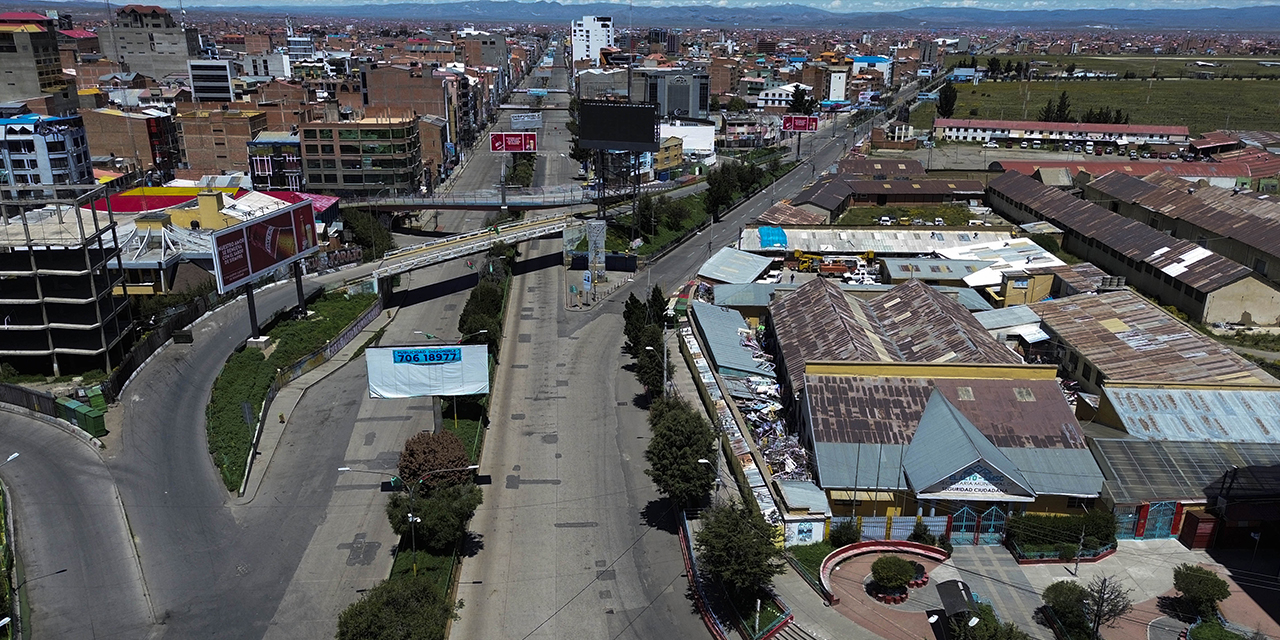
438, 370
772, 237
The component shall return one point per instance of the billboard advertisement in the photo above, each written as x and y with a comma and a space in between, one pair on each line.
444, 370
259, 246
799, 123
617, 126
513, 142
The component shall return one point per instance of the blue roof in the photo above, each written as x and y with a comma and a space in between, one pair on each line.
946, 443
863, 466
772, 237
1202, 415
33, 118
870, 59
721, 329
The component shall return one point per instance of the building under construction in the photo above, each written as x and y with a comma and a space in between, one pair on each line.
59, 265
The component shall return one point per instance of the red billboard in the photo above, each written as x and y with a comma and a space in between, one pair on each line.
251, 249
513, 142
799, 123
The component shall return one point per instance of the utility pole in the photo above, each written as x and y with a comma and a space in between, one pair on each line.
1079, 549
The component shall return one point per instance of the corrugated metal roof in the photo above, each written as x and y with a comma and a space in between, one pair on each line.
1130, 167
1059, 472
1077, 128
1169, 197
880, 167
1080, 278
927, 326
719, 327
933, 268
1006, 317
1010, 413
946, 442
1149, 470
761, 294
1211, 415
1127, 338
783, 213
1017, 254
800, 494
884, 241
930, 187
733, 266
828, 192
1184, 261
860, 466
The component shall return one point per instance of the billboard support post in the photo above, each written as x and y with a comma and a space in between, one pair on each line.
253, 311
297, 281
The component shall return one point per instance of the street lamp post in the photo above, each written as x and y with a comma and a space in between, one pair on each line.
16, 590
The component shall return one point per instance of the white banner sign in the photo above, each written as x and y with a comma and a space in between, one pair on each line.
410, 372
526, 120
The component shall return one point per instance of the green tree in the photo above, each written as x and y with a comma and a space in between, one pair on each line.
921, 533
367, 231
649, 371
1201, 588
719, 193
1062, 111
993, 67
714, 105
738, 548
656, 309
1071, 69
946, 100
988, 627
681, 437
892, 573
801, 102
737, 105
1066, 600
1046, 114
406, 608
426, 454
442, 515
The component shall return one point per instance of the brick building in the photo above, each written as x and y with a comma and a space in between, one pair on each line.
362, 157
150, 136
214, 141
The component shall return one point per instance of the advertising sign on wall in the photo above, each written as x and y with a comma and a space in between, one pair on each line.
259, 246
410, 372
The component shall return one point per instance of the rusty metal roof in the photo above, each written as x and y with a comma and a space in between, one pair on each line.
1127, 338
879, 410
911, 322
1261, 163
927, 326
829, 193
1083, 277
1170, 197
1184, 261
931, 187
1077, 128
876, 167
783, 213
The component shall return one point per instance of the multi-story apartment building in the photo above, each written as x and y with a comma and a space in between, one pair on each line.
433, 52
216, 140
148, 136
275, 159
677, 92
588, 36
30, 66
481, 48
41, 150
211, 80
150, 41
362, 157
269, 63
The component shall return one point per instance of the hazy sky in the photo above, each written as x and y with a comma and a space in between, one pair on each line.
830, 5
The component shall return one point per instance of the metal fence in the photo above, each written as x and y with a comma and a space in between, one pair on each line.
152, 342
37, 401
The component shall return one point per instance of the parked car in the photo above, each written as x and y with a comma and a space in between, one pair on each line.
1133, 154
991, 145
886, 221
938, 222
1078, 149
1024, 144
1035, 145
919, 222
1008, 145
1109, 150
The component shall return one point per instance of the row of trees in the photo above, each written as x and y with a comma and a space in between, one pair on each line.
481, 317
735, 105
660, 212
522, 167
729, 180
1060, 111
437, 499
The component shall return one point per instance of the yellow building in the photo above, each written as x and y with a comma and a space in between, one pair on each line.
670, 155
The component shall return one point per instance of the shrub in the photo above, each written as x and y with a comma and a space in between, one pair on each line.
1038, 529
845, 532
1201, 588
892, 573
1066, 599
922, 535
1067, 551
426, 454
1211, 630
944, 543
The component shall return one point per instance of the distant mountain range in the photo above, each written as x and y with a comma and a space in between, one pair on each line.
1248, 19
793, 15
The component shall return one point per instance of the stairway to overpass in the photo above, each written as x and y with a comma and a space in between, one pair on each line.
417, 256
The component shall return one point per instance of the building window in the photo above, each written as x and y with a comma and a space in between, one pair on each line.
309, 134
312, 149
1079, 503
1260, 266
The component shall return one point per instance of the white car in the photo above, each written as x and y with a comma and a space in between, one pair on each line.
991, 145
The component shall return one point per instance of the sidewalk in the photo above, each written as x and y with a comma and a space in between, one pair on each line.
287, 399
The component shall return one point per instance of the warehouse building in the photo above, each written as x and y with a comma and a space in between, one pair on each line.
1206, 286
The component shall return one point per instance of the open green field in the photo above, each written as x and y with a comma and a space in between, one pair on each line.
1142, 66
1201, 105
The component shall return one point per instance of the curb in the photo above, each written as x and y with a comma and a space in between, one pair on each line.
58, 423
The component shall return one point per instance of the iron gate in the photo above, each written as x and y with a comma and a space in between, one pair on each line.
992, 531
1160, 520
964, 527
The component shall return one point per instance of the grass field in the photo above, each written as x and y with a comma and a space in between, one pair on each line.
1142, 66
1201, 105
